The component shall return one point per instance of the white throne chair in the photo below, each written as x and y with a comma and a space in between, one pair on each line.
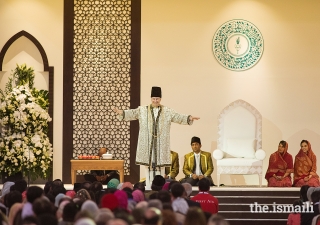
239, 141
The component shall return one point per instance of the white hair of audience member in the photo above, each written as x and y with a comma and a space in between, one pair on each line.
104, 215
156, 203
6, 188
119, 186
91, 207
85, 221
180, 205
142, 205
187, 188
58, 198
117, 222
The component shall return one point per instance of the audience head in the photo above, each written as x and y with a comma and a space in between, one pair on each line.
138, 195
158, 183
33, 193
195, 216
12, 198
20, 185
315, 196
103, 216
169, 217
155, 203
69, 212
172, 183
187, 188
216, 219
113, 183
83, 195
140, 186
177, 190
152, 216
42, 206
127, 185
204, 184
109, 201
164, 196
303, 192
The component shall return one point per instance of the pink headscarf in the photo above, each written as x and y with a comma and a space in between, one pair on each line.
122, 198
127, 184
138, 196
109, 201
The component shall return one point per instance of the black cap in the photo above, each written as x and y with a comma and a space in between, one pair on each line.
156, 92
195, 139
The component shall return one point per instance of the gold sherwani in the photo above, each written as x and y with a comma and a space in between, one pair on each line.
154, 133
206, 164
173, 170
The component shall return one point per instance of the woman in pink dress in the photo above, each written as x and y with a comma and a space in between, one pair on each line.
280, 167
305, 166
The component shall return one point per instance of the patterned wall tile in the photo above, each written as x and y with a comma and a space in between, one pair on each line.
102, 33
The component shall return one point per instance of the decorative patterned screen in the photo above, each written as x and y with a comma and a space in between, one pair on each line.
101, 77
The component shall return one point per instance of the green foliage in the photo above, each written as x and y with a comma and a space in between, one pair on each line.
41, 97
24, 75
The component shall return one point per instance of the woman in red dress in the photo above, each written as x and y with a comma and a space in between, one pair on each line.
280, 167
305, 166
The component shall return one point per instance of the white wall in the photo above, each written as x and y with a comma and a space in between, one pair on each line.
43, 19
284, 85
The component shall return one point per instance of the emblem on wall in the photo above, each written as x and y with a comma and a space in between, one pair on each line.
238, 45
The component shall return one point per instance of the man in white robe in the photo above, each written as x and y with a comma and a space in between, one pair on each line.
153, 149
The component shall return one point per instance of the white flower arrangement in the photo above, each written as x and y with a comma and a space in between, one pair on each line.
24, 144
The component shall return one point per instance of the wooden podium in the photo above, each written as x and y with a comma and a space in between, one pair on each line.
104, 164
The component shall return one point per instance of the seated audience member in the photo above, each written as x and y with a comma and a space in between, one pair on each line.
197, 164
280, 167
195, 216
152, 216
306, 217
303, 193
103, 176
305, 167
187, 193
173, 170
294, 217
156, 185
217, 220
33, 193
179, 204
207, 202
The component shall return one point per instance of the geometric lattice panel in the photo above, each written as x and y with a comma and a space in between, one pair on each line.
102, 34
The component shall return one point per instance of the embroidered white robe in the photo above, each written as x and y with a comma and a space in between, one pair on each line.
154, 133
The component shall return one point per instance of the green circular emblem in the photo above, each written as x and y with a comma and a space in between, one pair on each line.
237, 45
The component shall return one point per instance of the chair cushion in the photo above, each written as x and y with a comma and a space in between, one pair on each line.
241, 147
217, 154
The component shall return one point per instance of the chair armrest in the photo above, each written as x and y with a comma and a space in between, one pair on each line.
217, 154
260, 154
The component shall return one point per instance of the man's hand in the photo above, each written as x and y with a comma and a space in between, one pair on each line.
192, 118
118, 111
194, 176
165, 176
200, 177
